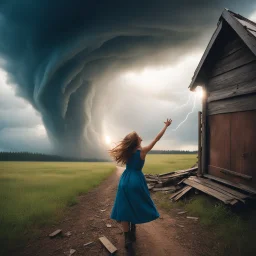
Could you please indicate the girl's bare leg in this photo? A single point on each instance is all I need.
(125, 225)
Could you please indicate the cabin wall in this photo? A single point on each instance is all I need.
(231, 114)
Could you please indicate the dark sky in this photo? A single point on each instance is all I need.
(73, 72)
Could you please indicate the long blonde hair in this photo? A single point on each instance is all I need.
(123, 151)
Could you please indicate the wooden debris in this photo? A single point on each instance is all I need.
(103, 210)
(167, 179)
(181, 212)
(108, 245)
(179, 172)
(226, 191)
(181, 226)
(150, 186)
(185, 190)
(55, 233)
(223, 189)
(71, 252)
(164, 188)
(88, 243)
(192, 218)
(212, 192)
(158, 185)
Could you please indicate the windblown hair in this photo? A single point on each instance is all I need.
(123, 151)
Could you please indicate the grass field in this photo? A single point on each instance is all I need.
(33, 194)
(167, 163)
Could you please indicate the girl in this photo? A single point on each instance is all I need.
(133, 204)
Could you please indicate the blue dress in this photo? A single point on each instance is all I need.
(133, 202)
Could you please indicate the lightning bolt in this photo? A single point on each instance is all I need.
(185, 104)
(192, 110)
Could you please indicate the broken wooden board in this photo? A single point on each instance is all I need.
(223, 189)
(158, 185)
(180, 171)
(108, 245)
(151, 180)
(164, 188)
(185, 190)
(212, 192)
(232, 184)
(55, 233)
(178, 192)
(150, 186)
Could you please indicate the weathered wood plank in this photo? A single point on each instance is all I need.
(176, 193)
(178, 172)
(212, 192)
(232, 184)
(232, 61)
(241, 75)
(210, 185)
(241, 103)
(151, 180)
(233, 91)
(232, 46)
(224, 188)
(55, 233)
(243, 34)
(150, 186)
(187, 188)
(108, 245)
(165, 188)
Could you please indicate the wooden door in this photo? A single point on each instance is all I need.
(243, 146)
(232, 146)
(219, 142)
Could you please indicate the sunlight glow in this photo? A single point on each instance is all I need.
(199, 92)
(108, 140)
(40, 130)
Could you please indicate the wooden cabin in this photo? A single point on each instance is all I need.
(227, 124)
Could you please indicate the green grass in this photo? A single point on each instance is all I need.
(156, 164)
(34, 194)
(232, 229)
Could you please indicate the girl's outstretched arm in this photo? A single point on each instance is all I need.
(146, 149)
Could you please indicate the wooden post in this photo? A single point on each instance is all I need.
(199, 171)
(204, 127)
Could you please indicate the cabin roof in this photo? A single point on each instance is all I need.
(244, 28)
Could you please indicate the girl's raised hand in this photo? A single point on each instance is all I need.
(168, 122)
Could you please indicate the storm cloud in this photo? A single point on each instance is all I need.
(70, 60)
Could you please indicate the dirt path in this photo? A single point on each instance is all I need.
(87, 223)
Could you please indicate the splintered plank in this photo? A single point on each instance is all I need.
(212, 192)
(164, 188)
(187, 188)
(178, 192)
(232, 184)
(108, 245)
(55, 233)
(221, 188)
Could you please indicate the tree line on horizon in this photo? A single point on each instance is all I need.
(172, 152)
(28, 156)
